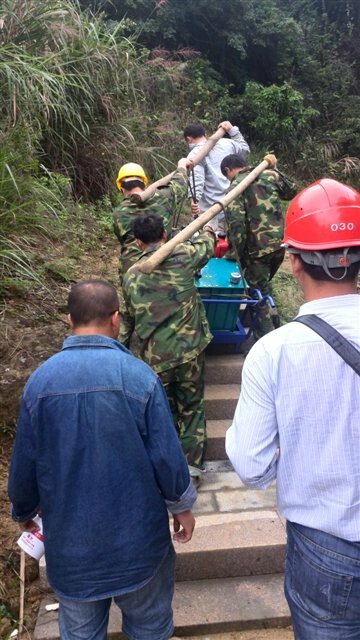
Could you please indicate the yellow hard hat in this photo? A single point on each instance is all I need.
(131, 170)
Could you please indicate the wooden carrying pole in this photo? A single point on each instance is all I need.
(144, 195)
(203, 151)
(166, 249)
(22, 594)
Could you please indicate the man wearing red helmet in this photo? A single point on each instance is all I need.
(298, 415)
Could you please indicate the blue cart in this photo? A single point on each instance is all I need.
(231, 307)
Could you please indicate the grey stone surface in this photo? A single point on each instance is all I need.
(231, 604)
(205, 503)
(216, 430)
(220, 481)
(238, 500)
(218, 465)
(43, 581)
(223, 369)
(257, 634)
(221, 401)
(222, 392)
(228, 547)
(206, 607)
(241, 516)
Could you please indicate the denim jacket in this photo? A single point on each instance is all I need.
(96, 449)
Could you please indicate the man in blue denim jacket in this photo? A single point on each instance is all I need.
(96, 450)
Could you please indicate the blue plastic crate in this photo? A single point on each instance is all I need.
(214, 284)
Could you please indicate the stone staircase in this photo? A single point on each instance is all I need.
(229, 576)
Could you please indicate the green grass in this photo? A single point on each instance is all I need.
(287, 295)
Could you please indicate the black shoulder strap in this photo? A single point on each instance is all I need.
(343, 347)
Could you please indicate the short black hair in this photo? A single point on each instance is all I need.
(92, 301)
(232, 161)
(194, 130)
(316, 272)
(148, 227)
(132, 184)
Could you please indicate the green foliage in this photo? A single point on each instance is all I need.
(211, 100)
(277, 114)
(31, 200)
(62, 269)
(82, 92)
(72, 109)
(103, 214)
(287, 295)
(237, 37)
(297, 60)
(67, 80)
(7, 430)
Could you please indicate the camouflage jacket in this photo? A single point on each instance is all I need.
(166, 201)
(255, 219)
(168, 314)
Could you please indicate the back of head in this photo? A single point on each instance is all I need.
(322, 225)
(92, 302)
(194, 131)
(232, 161)
(149, 228)
(131, 175)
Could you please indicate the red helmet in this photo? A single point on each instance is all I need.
(325, 215)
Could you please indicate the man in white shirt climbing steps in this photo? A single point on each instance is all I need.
(298, 416)
(207, 184)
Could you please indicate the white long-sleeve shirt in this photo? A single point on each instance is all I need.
(299, 395)
(210, 184)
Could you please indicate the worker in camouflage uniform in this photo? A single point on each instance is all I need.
(172, 329)
(255, 228)
(166, 201)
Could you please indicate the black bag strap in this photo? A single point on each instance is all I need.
(343, 347)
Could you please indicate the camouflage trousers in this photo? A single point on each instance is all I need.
(259, 273)
(184, 386)
(126, 322)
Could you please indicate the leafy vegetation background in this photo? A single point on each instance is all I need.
(86, 86)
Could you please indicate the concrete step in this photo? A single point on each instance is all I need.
(223, 369)
(221, 401)
(232, 604)
(285, 633)
(233, 544)
(221, 491)
(203, 607)
(216, 430)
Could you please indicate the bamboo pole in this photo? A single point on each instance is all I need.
(150, 190)
(202, 153)
(22, 593)
(147, 266)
